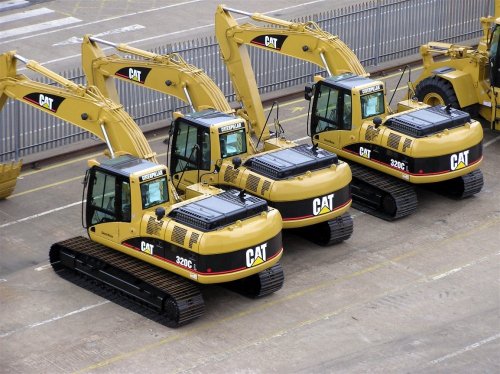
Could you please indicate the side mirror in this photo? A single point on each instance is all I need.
(377, 121)
(308, 91)
(160, 213)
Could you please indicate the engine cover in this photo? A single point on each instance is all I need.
(428, 121)
(289, 162)
(219, 210)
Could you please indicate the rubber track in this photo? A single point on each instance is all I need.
(185, 294)
(404, 194)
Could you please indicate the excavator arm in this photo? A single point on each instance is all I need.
(82, 106)
(305, 41)
(85, 107)
(169, 74)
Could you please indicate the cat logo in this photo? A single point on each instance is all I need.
(323, 205)
(45, 102)
(364, 152)
(147, 248)
(271, 42)
(256, 256)
(134, 75)
(459, 160)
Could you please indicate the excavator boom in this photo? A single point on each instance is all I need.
(169, 74)
(305, 41)
(82, 106)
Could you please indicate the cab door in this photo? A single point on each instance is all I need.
(191, 153)
(102, 214)
(330, 116)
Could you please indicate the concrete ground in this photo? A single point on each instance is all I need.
(418, 295)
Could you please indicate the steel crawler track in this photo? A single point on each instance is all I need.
(461, 187)
(261, 284)
(381, 195)
(178, 300)
(329, 232)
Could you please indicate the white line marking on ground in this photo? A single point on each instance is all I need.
(106, 20)
(12, 4)
(38, 215)
(466, 349)
(151, 38)
(453, 271)
(36, 324)
(78, 40)
(27, 14)
(491, 141)
(39, 27)
(43, 267)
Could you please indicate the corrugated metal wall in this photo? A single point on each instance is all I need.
(377, 31)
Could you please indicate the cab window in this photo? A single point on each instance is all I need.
(233, 143)
(125, 201)
(347, 112)
(185, 157)
(326, 109)
(372, 104)
(192, 148)
(154, 192)
(205, 150)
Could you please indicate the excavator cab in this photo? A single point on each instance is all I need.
(344, 102)
(200, 139)
(110, 185)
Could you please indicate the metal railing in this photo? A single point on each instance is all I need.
(378, 31)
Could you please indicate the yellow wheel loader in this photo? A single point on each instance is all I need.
(143, 240)
(388, 152)
(464, 77)
(309, 186)
(8, 177)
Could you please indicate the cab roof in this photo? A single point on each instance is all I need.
(348, 81)
(127, 165)
(209, 117)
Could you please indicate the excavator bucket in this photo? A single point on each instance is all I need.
(8, 178)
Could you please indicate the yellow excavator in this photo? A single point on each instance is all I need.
(309, 186)
(143, 239)
(464, 77)
(388, 153)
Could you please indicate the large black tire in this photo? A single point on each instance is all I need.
(436, 91)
